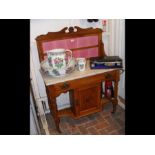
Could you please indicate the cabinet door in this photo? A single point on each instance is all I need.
(89, 99)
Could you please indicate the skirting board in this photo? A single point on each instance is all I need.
(122, 105)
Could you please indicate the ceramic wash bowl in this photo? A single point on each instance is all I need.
(46, 68)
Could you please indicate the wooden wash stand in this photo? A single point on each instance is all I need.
(85, 88)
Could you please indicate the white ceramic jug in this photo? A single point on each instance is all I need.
(59, 59)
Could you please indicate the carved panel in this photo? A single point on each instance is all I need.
(89, 99)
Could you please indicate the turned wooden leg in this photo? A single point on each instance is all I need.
(54, 112)
(53, 106)
(114, 103)
(57, 122)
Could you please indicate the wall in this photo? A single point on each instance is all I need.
(43, 26)
(117, 47)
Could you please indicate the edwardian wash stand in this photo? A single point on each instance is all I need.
(85, 88)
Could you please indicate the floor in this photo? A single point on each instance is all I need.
(101, 123)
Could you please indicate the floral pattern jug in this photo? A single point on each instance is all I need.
(59, 59)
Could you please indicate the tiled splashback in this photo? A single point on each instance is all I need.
(74, 44)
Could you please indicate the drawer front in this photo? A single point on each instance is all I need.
(78, 83)
(64, 86)
(74, 84)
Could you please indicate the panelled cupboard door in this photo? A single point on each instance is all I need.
(89, 99)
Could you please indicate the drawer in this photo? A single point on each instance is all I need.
(77, 83)
(64, 86)
(82, 82)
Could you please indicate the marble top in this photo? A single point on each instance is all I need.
(49, 80)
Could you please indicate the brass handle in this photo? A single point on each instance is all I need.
(65, 86)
